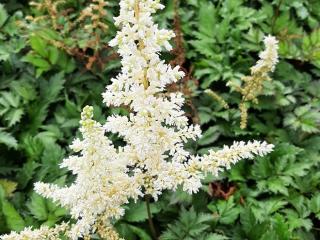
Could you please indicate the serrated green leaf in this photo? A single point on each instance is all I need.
(25, 89)
(142, 234)
(39, 45)
(226, 212)
(12, 218)
(271, 205)
(4, 53)
(10, 99)
(247, 219)
(215, 236)
(278, 185)
(51, 89)
(51, 221)
(315, 205)
(297, 169)
(137, 212)
(207, 19)
(3, 15)
(209, 136)
(52, 155)
(14, 116)
(8, 139)
(190, 225)
(37, 61)
(53, 55)
(295, 222)
(37, 207)
(26, 173)
(124, 230)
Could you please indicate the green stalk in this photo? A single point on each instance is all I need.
(151, 224)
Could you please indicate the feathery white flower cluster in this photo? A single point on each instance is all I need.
(102, 183)
(156, 129)
(253, 84)
(268, 58)
(38, 234)
(154, 158)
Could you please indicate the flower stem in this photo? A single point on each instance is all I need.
(151, 224)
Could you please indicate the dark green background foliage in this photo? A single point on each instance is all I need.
(43, 88)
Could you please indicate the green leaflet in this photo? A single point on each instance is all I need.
(13, 219)
(137, 212)
(7, 139)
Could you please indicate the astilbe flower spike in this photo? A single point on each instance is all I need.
(42, 233)
(154, 158)
(253, 84)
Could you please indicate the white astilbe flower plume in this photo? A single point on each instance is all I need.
(253, 84)
(102, 183)
(38, 234)
(157, 128)
(154, 158)
(268, 58)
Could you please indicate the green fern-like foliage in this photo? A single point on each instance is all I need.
(190, 225)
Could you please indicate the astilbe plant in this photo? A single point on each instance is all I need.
(253, 84)
(154, 158)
